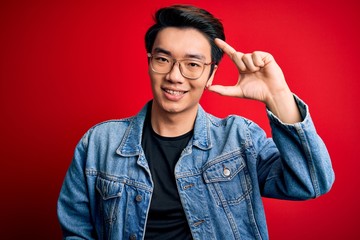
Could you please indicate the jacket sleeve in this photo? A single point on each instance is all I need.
(295, 164)
(73, 203)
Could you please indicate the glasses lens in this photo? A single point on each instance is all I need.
(192, 68)
(161, 64)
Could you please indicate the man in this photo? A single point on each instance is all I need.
(175, 172)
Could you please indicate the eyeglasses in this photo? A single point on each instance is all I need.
(189, 68)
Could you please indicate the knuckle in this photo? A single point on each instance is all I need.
(245, 57)
(236, 55)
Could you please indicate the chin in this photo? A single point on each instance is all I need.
(170, 108)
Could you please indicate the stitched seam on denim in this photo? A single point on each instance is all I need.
(232, 154)
(85, 138)
(214, 194)
(249, 142)
(309, 158)
(252, 219)
(213, 186)
(186, 151)
(124, 180)
(226, 179)
(215, 120)
(241, 198)
(125, 137)
(245, 182)
(187, 174)
(227, 212)
(129, 119)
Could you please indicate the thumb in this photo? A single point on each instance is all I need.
(226, 90)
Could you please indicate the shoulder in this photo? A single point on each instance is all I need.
(110, 130)
(113, 131)
(112, 124)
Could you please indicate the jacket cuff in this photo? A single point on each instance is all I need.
(304, 112)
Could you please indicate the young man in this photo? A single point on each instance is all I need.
(175, 172)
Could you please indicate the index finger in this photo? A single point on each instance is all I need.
(235, 56)
(229, 50)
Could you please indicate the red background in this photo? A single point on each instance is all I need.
(66, 66)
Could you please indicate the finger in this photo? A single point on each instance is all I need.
(249, 62)
(232, 53)
(229, 50)
(258, 59)
(226, 90)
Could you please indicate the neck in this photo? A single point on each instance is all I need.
(172, 124)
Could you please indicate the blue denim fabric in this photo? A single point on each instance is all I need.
(221, 176)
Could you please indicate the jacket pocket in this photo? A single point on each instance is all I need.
(109, 192)
(226, 178)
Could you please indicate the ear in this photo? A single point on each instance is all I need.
(211, 78)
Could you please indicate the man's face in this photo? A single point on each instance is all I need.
(173, 93)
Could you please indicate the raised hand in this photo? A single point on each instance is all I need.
(260, 78)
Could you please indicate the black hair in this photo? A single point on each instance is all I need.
(187, 16)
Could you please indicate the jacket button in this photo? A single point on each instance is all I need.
(138, 198)
(132, 237)
(227, 172)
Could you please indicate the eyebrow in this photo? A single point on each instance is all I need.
(188, 55)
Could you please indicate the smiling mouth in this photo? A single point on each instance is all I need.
(173, 92)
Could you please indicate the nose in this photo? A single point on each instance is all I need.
(175, 75)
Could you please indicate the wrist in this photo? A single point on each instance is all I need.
(283, 105)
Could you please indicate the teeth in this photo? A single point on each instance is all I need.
(172, 92)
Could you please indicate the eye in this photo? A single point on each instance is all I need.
(161, 59)
(193, 64)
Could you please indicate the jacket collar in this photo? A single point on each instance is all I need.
(202, 137)
(131, 142)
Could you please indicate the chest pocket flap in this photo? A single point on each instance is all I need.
(224, 168)
(225, 177)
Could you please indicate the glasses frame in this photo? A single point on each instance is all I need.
(174, 61)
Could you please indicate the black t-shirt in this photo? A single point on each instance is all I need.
(166, 219)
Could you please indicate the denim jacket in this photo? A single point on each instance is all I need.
(228, 165)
